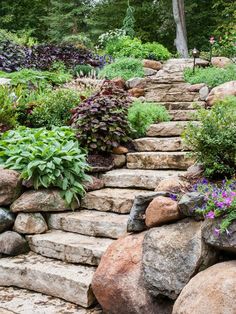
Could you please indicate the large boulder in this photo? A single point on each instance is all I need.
(11, 243)
(161, 210)
(212, 291)
(223, 241)
(30, 223)
(136, 222)
(152, 64)
(172, 255)
(6, 219)
(173, 184)
(40, 201)
(118, 284)
(220, 62)
(221, 91)
(10, 186)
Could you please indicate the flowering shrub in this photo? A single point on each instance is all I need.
(109, 36)
(220, 201)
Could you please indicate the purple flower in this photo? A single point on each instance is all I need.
(228, 201)
(204, 181)
(173, 197)
(216, 232)
(214, 194)
(210, 215)
(220, 204)
(224, 194)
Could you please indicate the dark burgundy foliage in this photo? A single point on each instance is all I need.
(14, 57)
(101, 121)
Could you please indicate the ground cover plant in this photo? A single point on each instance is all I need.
(220, 203)
(125, 68)
(49, 158)
(211, 76)
(142, 115)
(213, 141)
(128, 47)
(101, 121)
(34, 78)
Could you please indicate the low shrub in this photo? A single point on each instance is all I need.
(85, 70)
(50, 158)
(127, 47)
(142, 115)
(220, 203)
(52, 108)
(211, 76)
(125, 68)
(213, 141)
(8, 116)
(101, 121)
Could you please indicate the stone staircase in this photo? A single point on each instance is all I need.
(64, 259)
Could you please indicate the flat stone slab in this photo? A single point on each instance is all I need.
(183, 105)
(159, 160)
(69, 247)
(153, 144)
(183, 115)
(144, 179)
(114, 200)
(172, 128)
(51, 277)
(160, 92)
(21, 301)
(91, 223)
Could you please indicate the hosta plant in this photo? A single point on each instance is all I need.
(220, 202)
(101, 121)
(49, 158)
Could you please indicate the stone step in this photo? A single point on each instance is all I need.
(183, 105)
(90, 222)
(143, 179)
(159, 160)
(166, 129)
(69, 247)
(14, 300)
(157, 92)
(157, 144)
(51, 277)
(183, 115)
(113, 200)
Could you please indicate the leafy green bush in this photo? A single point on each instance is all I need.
(85, 70)
(28, 77)
(48, 158)
(127, 47)
(125, 68)
(101, 121)
(53, 108)
(8, 117)
(211, 76)
(142, 115)
(214, 141)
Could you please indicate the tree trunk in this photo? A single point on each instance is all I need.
(181, 33)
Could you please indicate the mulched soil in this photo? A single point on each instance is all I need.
(100, 161)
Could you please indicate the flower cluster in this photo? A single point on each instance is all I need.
(220, 201)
